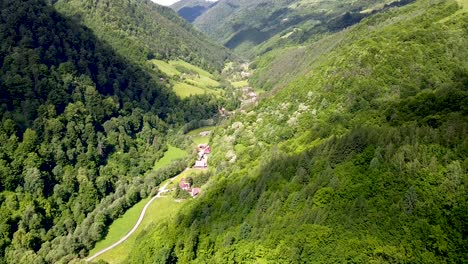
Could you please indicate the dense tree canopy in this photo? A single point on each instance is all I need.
(141, 30)
(81, 128)
(363, 159)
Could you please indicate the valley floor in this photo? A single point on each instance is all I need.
(122, 235)
(138, 223)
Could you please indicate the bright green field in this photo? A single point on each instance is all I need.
(240, 84)
(197, 139)
(161, 208)
(166, 67)
(184, 90)
(120, 227)
(202, 83)
(191, 67)
(170, 155)
(464, 4)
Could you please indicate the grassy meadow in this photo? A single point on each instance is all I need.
(161, 209)
(188, 79)
(170, 155)
(197, 139)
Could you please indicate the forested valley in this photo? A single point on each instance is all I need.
(337, 130)
(81, 129)
(361, 157)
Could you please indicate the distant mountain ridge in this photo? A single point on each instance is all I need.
(246, 25)
(192, 9)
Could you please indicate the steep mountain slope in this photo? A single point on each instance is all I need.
(191, 9)
(363, 159)
(81, 128)
(141, 30)
(243, 25)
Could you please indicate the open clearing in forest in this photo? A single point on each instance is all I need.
(240, 84)
(162, 208)
(195, 135)
(170, 155)
(188, 79)
(120, 227)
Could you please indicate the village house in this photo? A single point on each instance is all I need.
(184, 185)
(201, 164)
(195, 192)
(205, 133)
(203, 152)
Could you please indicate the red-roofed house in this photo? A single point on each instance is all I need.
(184, 185)
(207, 150)
(195, 192)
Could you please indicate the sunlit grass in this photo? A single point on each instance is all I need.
(162, 208)
(170, 155)
(191, 84)
(240, 84)
(166, 68)
(120, 227)
(184, 90)
(195, 135)
(191, 67)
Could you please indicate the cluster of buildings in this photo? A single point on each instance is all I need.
(203, 152)
(201, 163)
(186, 186)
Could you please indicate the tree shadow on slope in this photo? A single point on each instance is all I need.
(47, 59)
(374, 193)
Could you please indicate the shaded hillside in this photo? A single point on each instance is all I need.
(363, 159)
(51, 61)
(191, 9)
(81, 128)
(244, 25)
(141, 30)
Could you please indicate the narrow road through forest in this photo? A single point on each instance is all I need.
(140, 219)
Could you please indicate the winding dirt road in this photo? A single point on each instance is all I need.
(135, 227)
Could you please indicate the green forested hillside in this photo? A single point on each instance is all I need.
(141, 30)
(81, 128)
(362, 159)
(253, 27)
